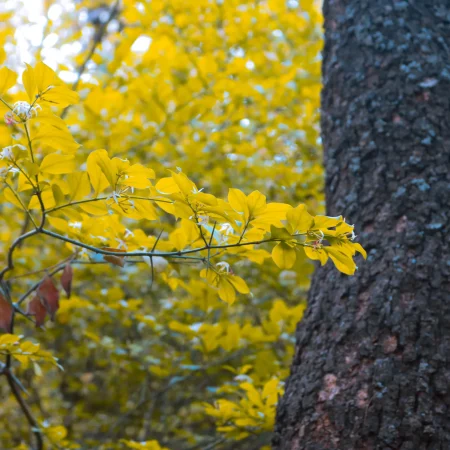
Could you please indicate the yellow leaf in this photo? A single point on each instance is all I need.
(44, 76)
(181, 210)
(226, 290)
(56, 434)
(145, 209)
(187, 187)
(61, 96)
(167, 207)
(343, 262)
(47, 199)
(316, 254)
(48, 118)
(273, 214)
(238, 202)
(206, 199)
(167, 186)
(270, 392)
(11, 198)
(256, 203)
(239, 284)
(101, 158)
(57, 164)
(139, 170)
(95, 208)
(299, 219)
(7, 79)
(344, 228)
(96, 175)
(326, 222)
(56, 138)
(137, 176)
(58, 224)
(138, 182)
(78, 186)
(358, 247)
(31, 168)
(57, 195)
(252, 394)
(8, 339)
(280, 233)
(28, 80)
(284, 255)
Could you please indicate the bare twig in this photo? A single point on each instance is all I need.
(26, 410)
(98, 38)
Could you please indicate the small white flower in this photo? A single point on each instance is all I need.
(7, 152)
(226, 228)
(76, 225)
(10, 169)
(115, 196)
(25, 111)
(122, 244)
(101, 238)
(223, 266)
(196, 191)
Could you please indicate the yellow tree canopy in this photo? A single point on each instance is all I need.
(160, 205)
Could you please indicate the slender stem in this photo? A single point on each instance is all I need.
(21, 203)
(36, 272)
(60, 267)
(245, 229)
(98, 37)
(145, 253)
(210, 242)
(24, 174)
(160, 200)
(6, 104)
(30, 146)
(26, 411)
(10, 262)
(89, 200)
(63, 264)
(37, 189)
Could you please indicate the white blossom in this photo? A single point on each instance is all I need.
(25, 111)
(223, 266)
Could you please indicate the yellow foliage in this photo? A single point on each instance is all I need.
(151, 177)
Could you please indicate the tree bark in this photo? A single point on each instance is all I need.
(372, 363)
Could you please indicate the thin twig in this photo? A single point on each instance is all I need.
(98, 38)
(26, 411)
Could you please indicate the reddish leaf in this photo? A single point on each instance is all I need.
(49, 296)
(116, 260)
(6, 314)
(38, 310)
(111, 249)
(66, 279)
(113, 259)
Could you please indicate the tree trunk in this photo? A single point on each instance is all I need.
(372, 363)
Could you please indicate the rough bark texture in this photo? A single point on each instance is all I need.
(372, 363)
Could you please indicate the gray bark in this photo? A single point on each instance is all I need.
(372, 363)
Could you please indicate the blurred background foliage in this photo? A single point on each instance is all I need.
(228, 91)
